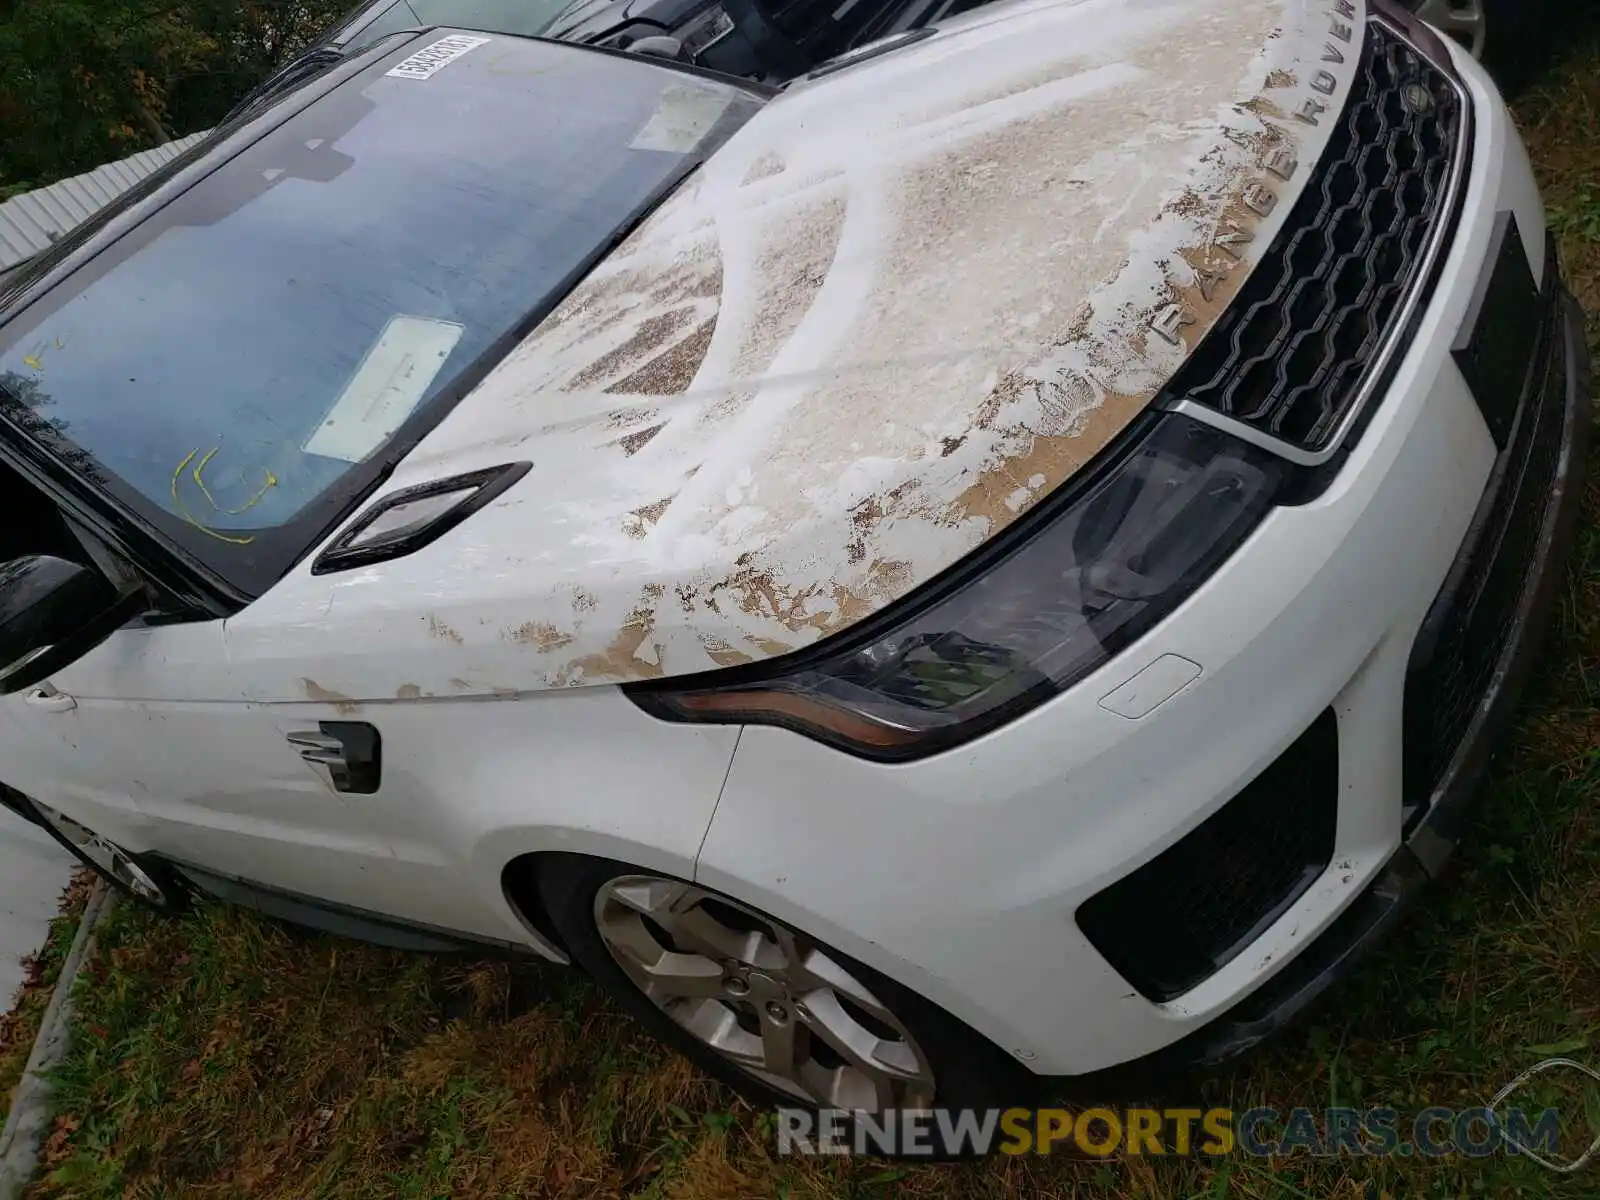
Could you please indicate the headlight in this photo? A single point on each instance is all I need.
(1023, 618)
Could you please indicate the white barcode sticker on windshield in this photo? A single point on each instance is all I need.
(386, 388)
(428, 61)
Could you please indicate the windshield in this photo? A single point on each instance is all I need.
(256, 341)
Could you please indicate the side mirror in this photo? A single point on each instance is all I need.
(52, 613)
(660, 46)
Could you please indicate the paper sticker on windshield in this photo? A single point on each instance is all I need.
(428, 61)
(386, 387)
(682, 118)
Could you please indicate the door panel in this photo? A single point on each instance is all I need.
(159, 745)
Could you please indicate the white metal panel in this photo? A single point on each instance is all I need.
(33, 872)
(31, 221)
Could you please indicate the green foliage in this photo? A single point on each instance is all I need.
(86, 81)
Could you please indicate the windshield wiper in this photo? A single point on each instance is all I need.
(309, 65)
(292, 74)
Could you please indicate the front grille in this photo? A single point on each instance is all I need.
(1190, 910)
(1288, 357)
(1464, 637)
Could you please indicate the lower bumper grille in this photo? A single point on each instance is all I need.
(1190, 910)
(1463, 639)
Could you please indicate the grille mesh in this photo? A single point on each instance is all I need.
(1184, 914)
(1288, 356)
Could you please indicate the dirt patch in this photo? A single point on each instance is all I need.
(321, 695)
(673, 370)
(641, 520)
(440, 630)
(638, 325)
(649, 339)
(725, 655)
(631, 654)
(541, 634)
(791, 271)
(637, 441)
(628, 418)
(765, 167)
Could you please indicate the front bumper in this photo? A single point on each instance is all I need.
(962, 876)
(1565, 396)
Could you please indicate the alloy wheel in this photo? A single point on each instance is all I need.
(107, 855)
(1461, 19)
(764, 997)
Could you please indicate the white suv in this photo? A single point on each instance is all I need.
(1000, 561)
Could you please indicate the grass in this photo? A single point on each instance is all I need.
(20, 1026)
(226, 1056)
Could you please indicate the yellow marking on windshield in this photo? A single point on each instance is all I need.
(35, 361)
(182, 510)
(272, 482)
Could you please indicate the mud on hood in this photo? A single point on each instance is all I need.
(901, 305)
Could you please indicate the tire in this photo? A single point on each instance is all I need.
(940, 1061)
(153, 884)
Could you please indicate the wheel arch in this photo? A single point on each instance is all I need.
(520, 876)
(519, 884)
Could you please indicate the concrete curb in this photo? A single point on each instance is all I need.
(31, 1108)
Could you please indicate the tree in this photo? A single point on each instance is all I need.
(86, 81)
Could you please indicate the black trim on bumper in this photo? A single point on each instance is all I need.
(328, 917)
(18, 803)
(1208, 896)
(1276, 1003)
(1459, 651)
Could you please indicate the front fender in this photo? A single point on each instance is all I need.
(479, 783)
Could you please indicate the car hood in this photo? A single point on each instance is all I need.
(900, 306)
